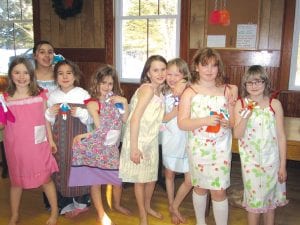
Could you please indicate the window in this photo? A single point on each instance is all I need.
(16, 30)
(144, 28)
(294, 83)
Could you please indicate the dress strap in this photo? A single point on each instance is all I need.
(93, 100)
(226, 86)
(242, 102)
(193, 89)
(270, 104)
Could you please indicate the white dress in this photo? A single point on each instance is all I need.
(174, 140)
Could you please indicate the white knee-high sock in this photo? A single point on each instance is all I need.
(220, 210)
(199, 202)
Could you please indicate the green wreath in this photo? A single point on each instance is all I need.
(64, 11)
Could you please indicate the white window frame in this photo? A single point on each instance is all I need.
(296, 40)
(118, 37)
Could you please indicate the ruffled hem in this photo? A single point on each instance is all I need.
(265, 209)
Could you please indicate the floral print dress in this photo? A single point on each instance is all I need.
(209, 153)
(260, 163)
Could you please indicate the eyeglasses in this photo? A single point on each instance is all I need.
(257, 83)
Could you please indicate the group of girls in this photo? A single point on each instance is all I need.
(198, 111)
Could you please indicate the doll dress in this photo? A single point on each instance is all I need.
(95, 159)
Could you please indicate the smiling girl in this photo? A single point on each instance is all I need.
(28, 140)
(69, 117)
(139, 154)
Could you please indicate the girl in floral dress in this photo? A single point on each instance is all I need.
(262, 146)
(95, 158)
(205, 110)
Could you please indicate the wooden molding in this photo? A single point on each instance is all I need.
(287, 43)
(185, 29)
(109, 31)
(83, 54)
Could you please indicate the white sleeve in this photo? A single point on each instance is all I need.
(83, 115)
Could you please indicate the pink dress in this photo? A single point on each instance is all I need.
(29, 158)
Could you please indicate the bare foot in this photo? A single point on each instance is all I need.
(123, 210)
(181, 218)
(52, 220)
(155, 214)
(105, 220)
(13, 220)
(175, 219)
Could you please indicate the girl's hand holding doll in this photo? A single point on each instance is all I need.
(79, 137)
(118, 99)
(213, 120)
(54, 110)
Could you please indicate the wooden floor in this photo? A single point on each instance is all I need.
(33, 213)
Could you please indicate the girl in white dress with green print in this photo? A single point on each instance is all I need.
(262, 145)
(206, 111)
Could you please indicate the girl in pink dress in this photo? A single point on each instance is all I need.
(28, 141)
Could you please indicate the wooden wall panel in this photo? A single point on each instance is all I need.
(276, 24)
(85, 30)
(263, 29)
(197, 24)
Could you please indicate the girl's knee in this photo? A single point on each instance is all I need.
(218, 195)
(169, 174)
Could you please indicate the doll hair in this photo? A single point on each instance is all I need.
(33, 88)
(144, 76)
(256, 71)
(205, 56)
(75, 69)
(98, 77)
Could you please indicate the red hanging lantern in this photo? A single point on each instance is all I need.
(214, 17)
(224, 15)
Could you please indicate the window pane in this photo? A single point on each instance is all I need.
(162, 37)
(149, 7)
(134, 48)
(168, 7)
(297, 79)
(14, 10)
(3, 10)
(131, 8)
(23, 35)
(26, 10)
